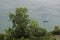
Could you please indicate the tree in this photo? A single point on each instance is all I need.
(56, 30)
(20, 17)
(20, 22)
(7, 35)
(24, 28)
(35, 29)
(1, 36)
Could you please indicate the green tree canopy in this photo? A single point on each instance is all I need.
(24, 28)
(56, 30)
(1, 36)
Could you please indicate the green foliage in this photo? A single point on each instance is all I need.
(56, 30)
(1, 36)
(20, 23)
(8, 34)
(24, 28)
(20, 18)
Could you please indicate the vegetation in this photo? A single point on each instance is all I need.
(24, 28)
(56, 30)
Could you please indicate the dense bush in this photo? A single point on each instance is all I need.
(1, 36)
(56, 30)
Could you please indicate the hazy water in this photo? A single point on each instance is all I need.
(38, 10)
